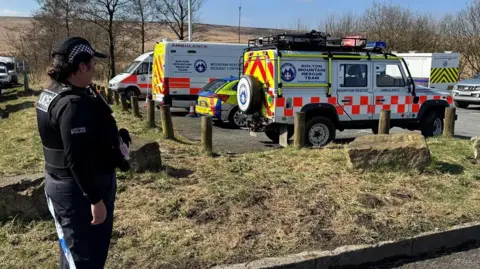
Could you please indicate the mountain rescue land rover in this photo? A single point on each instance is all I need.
(338, 83)
(181, 69)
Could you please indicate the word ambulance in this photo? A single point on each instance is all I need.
(338, 83)
(181, 69)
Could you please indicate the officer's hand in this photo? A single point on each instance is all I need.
(99, 213)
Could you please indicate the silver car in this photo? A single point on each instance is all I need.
(467, 92)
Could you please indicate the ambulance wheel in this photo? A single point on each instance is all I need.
(319, 131)
(461, 104)
(249, 94)
(131, 91)
(432, 124)
(274, 134)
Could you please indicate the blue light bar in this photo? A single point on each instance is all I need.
(376, 45)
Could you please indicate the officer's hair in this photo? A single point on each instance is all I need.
(62, 69)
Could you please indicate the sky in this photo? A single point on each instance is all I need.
(273, 13)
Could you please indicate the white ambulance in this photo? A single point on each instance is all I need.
(433, 70)
(136, 78)
(181, 69)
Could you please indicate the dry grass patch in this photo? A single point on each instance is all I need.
(203, 211)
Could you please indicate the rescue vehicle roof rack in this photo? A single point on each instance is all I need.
(312, 41)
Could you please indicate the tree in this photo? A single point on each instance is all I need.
(103, 13)
(64, 11)
(142, 15)
(174, 13)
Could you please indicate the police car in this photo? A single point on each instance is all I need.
(339, 83)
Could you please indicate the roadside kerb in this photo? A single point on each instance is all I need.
(361, 255)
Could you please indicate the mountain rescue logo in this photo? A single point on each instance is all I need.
(289, 72)
(200, 66)
(445, 63)
(243, 94)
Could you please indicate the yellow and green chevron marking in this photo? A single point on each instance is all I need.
(443, 75)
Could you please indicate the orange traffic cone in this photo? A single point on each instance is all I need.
(191, 113)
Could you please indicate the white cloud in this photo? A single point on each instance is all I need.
(13, 13)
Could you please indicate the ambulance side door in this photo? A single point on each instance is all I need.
(390, 90)
(354, 90)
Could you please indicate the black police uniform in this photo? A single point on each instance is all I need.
(81, 149)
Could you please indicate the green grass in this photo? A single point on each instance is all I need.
(203, 211)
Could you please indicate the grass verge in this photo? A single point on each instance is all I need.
(203, 211)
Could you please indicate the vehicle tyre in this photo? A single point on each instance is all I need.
(274, 134)
(129, 92)
(237, 118)
(319, 131)
(461, 104)
(375, 130)
(249, 94)
(432, 124)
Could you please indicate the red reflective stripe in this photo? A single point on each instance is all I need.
(144, 86)
(386, 107)
(332, 100)
(211, 79)
(394, 100)
(401, 109)
(449, 99)
(415, 108)
(437, 97)
(297, 101)
(408, 100)
(315, 100)
(130, 79)
(364, 100)
(180, 80)
(288, 112)
(355, 109)
(339, 110)
(194, 91)
(423, 99)
(349, 98)
(377, 100)
(280, 102)
(371, 109)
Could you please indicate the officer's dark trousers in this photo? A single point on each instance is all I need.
(82, 245)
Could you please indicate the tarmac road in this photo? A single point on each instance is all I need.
(236, 141)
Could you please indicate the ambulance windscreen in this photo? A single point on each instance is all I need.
(130, 68)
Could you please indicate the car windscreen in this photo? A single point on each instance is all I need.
(130, 68)
(11, 66)
(214, 85)
(3, 70)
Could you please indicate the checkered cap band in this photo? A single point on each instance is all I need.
(79, 49)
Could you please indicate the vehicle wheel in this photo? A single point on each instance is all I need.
(130, 92)
(432, 124)
(274, 134)
(319, 131)
(461, 104)
(237, 118)
(375, 130)
(249, 94)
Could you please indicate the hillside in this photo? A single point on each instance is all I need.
(207, 32)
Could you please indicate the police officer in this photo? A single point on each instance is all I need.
(81, 146)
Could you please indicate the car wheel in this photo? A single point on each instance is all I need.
(319, 131)
(237, 118)
(461, 104)
(432, 125)
(274, 134)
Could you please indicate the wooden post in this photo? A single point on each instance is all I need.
(109, 97)
(123, 99)
(25, 81)
(449, 122)
(384, 122)
(116, 96)
(299, 133)
(136, 110)
(207, 134)
(283, 135)
(150, 113)
(167, 125)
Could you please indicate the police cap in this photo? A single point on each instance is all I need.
(72, 46)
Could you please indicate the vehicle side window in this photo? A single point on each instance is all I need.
(353, 75)
(144, 68)
(389, 75)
